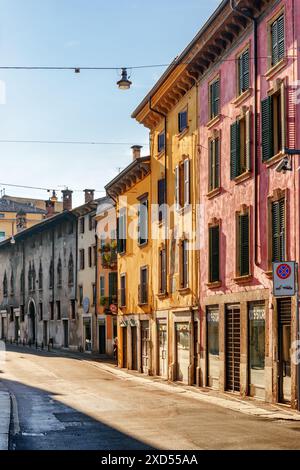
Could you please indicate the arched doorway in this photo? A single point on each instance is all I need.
(31, 322)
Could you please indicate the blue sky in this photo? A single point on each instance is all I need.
(59, 105)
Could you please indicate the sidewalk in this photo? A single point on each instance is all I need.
(248, 406)
(5, 411)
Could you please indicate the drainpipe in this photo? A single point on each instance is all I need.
(166, 184)
(255, 137)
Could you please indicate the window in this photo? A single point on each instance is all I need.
(12, 284)
(5, 288)
(214, 164)
(182, 184)
(22, 282)
(214, 254)
(90, 257)
(11, 314)
(182, 121)
(22, 313)
(244, 72)
(51, 305)
(278, 231)
(73, 309)
(277, 40)
(113, 288)
(161, 199)
(2, 236)
(184, 268)
(70, 228)
(243, 247)
(122, 231)
(41, 311)
(94, 294)
(71, 271)
(58, 310)
(143, 222)
(91, 222)
(123, 290)
(80, 292)
(59, 273)
(102, 286)
(240, 146)
(31, 277)
(95, 255)
(273, 124)
(162, 271)
(41, 277)
(82, 225)
(81, 259)
(214, 98)
(51, 275)
(143, 288)
(161, 142)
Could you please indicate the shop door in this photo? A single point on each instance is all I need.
(124, 347)
(233, 348)
(66, 333)
(45, 333)
(257, 340)
(183, 351)
(134, 348)
(284, 349)
(17, 329)
(163, 350)
(2, 328)
(87, 336)
(145, 346)
(213, 362)
(196, 350)
(102, 339)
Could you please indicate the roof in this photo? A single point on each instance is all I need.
(139, 168)
(38, 203)
(6, 205)
(89, 207)
(40, 227)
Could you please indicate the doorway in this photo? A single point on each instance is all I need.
(284, 349)
(102, 338)
(257, 341)
(233, 348)
(17, 329)
(124, 344)
(183, 352)
(32, 317)
(145, 331)
(45, 333)
(87, 335)
(66, 333)
(213, 348)
(134, 348)
(163, 350)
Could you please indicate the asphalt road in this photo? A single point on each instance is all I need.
(62, 403)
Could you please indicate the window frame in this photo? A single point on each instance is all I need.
(161, 142)
(211, 100)
(123, 289)
(183, 127)
(240, 243)
(211, 279)
(143, 202)
(214, 177)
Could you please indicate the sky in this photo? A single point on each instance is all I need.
(64, 106)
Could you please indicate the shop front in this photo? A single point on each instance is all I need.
(87, 335)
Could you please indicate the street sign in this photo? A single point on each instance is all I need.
(86, 305)
(113, 308)
(284, 279)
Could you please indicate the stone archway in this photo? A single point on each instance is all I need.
(32, 322)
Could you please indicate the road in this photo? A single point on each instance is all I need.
(67, 403)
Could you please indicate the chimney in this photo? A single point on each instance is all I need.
(89, 195)
(136, 151)
(67, 199)
(50, 208)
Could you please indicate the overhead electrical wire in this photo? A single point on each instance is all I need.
(20, 186)
(66, 142)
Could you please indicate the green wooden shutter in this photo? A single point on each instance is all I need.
(267, 128)
(241, 75)
(217, 163)
(280, 37)
(244, 244)
(217, 97)
(113, 285)
(248, 140)
(278, 234)
(214, 253)
(282, 228)
(246, 70)
(235, 150)
(274, 35)
(211, 165)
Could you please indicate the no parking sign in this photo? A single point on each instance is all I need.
(284, 279)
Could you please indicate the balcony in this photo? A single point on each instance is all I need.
(106, 302)
(109, 256)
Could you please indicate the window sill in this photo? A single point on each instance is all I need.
(276, 68)
(183, 133)
(184, 291)
(143, 305)
(243, 177)
(241, 98)
(214, 285)
(243, 279)
(213, 121)
(213, 193)
(143, 245)
(160, 154)
(183, 210)
(162, 295)
(274, 159)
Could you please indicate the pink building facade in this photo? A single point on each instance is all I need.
(249, 211)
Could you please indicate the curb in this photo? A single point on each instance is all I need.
(5, 417)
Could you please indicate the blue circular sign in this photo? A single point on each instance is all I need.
(86, 305)
(284, 271)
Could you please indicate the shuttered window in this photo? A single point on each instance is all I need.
(240, 146)
(214, 164)
(244, 245)
(163, 275)
(122, 301)
(214, 98)
(161, 142)
(143, 222)
(244, 72)
(184, 264)
(143, 287)
(278, 231)
(122, 231)
(277, 40)
(182, 121)
(113, 287)
(214, 254)
(182, 184)
(273, 124)
(161, 198)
